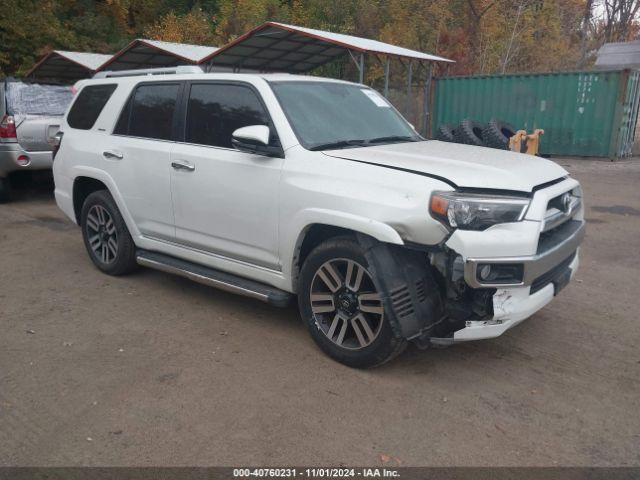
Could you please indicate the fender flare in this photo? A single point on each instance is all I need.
(105, 178)
(297, 229)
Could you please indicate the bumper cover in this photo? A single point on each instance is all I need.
(9, 153)
(511, 306)
(534, 265)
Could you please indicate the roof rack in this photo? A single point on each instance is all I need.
(182, 69)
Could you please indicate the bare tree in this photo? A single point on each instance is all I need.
(619, 19)
(477, 10)
(584, 32)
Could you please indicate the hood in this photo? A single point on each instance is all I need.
(463, 165)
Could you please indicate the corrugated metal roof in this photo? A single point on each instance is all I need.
(61, 65)
(365, 44)
(616, 56)
(89, 60)
(144, 53)
(282, 47)
(194, 53)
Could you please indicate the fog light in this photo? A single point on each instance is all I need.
(507, 273)
(485, 271)
(23, 160)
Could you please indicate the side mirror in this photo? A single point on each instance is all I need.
(254, 139)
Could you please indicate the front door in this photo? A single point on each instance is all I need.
(225, 202)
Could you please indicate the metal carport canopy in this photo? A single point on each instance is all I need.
(66, 66)
(143, 53)
(279, 47)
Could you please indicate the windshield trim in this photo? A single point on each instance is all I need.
(310, 147)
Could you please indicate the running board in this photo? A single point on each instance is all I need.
(213, 278)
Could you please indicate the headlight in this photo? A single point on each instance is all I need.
(468, 211)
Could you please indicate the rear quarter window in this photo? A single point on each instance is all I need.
(88, 106)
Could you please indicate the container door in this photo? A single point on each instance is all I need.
(629, 118)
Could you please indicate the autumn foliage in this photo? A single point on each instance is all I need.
(483, 36)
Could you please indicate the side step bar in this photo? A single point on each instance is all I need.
(213, 278)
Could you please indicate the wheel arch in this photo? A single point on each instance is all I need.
(82, 188)
(326, 225)
(87, 180)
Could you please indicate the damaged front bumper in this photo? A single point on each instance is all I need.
(510, 307)
(497, 278)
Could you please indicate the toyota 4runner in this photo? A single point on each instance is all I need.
(277, 186)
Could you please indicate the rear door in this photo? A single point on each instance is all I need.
(139, 156)
(37, 111)
(225, 201)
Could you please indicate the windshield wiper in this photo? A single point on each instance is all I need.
(394, 138)
(338, 144)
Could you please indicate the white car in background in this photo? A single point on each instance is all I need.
(276, 186)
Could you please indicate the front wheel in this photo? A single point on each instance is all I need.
(342, 306)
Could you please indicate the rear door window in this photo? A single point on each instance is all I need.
(87, 107)
(215, 111)
(150, 112)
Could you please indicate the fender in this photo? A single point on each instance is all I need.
(293, 232)
(101, 175)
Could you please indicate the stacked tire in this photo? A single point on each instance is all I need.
(469, 132)
(495, 134)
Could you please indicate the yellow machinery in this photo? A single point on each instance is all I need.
(526, 143)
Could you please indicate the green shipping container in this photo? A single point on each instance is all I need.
(592, 114)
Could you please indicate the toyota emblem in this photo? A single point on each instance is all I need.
(566, 202)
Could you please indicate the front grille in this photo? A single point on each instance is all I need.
(551, 238)
(548, 277)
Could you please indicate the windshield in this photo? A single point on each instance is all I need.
(327, 115)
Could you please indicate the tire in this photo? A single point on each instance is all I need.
(446, 133)
(100, 217)
(5, 190)
(469, 132)
(496, 134)
(348, 324)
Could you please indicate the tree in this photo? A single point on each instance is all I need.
(194, 27)
(28, 28)
(620, 20)
(236, 17)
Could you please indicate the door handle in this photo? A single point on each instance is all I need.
(112, 155)
(183, 166)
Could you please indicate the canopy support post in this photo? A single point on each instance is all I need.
(359, 65)
(386, 77)
(409, 80)
(427, 101)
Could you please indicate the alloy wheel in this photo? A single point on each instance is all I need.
(345, 304)
(102, 234)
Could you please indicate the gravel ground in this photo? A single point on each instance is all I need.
(151, 369)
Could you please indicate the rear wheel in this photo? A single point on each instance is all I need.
(106, 236)
(342, 306)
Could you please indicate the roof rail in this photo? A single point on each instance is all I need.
(182, 69)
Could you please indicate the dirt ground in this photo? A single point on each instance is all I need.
(151, 369)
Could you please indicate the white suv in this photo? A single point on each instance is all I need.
(275, 186)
